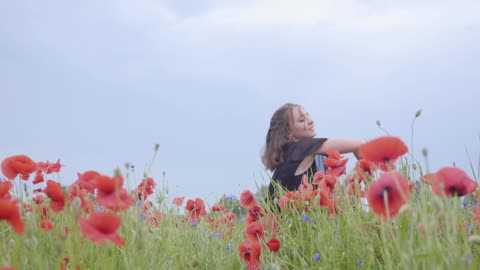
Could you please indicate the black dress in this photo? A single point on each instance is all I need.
(295, 153)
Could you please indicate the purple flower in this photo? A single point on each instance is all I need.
(193, 224)
(359, 263)
(316, 257)
(229, 247)
(219, 234)
(306, 218)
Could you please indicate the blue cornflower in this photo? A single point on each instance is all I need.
(132, 166)
(193, 223)
(359, 263)
(142, 216)
(468, 227)
(306, 218)
(231, 197)
(100, 208)
(229, 247)
(139, 203)
(219, 234)
(316, 257)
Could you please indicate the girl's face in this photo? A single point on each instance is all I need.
(302, 126)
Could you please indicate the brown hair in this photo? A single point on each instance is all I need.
(278, 136)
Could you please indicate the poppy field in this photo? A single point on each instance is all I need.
(388, 212)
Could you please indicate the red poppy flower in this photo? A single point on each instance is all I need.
(101, 227)
(110, 193)
(250, 251)
(87, 180)
(247, 199)
(20, 164)
(116, 201)
(38, 198)
(451, 182)
(383, 151)
(318, 177)
(219, 208)
(195, 209)
(254, 231)
(48, 167)
(39, 178)
(10, 212)
(254, 214)
(46, 225)
(273, 244)
(145, 188)
(55, 193)
(5, 190)
(178, 201)
(335, 163)
(388, 194)
(289, 200)
(328, 184)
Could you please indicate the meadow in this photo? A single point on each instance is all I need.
(389, 212)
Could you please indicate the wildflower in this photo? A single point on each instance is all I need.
(335, 163)
(46, 225)
(305, 218)
(228, 247)
(48, 167)
(111, 194)
(19, 164)
(247, 199)
(101, 227)
(145, 188)
(219, 234)
(231, 197)
(254, 214)
(359, 263)
(273, 244)
(254, 231)
(55, 193)
(195, 209)
(383, 151)
(193, 224)
(87, 180)
(316, 257)
(178, 201)
(250, 252)
(450, 181)
(10, 212)
(39, 178)
(5, 188)
(395, 187)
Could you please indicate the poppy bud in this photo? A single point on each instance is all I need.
(418, 113)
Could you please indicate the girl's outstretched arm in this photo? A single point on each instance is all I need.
(341, 145)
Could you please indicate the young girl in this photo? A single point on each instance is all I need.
(291, 147)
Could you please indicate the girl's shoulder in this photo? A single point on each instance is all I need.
(300, 149)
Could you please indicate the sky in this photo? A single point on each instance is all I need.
(97, 84)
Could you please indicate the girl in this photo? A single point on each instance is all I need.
(291, 147)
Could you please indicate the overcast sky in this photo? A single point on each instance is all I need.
(99, 83)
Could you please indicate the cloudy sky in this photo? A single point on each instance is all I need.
(99, 83)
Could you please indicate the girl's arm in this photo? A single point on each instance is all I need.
(341, 145)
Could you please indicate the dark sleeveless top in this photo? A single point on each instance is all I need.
(295, 153)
